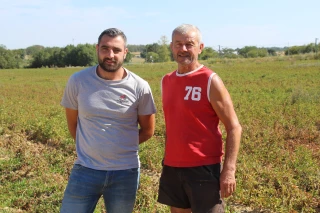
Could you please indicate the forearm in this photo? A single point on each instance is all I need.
(73, 131)
(232, 148)
(227, 176)
(144, 135)
(146, 123)
(72, 121)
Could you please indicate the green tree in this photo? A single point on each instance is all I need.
(54, 58)
(128, 57)
(69, 53)
(294, 50)
(271, 52)
(152, 57)
(308, 48)
(245, 51)
(57, 58)
(163, 50)
(228, 53)
(150, 48)
(40, 59)
(252, 53)
(136, 48)
(7, 59)
(208, 52)
(19, 53)
(262, 52)
(85, 55)
(34, 49)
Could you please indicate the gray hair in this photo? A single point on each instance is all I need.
(185, 28)
(113, 32)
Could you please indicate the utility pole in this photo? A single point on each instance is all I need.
(315, 45)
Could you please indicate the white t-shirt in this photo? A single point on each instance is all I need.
(107, 136)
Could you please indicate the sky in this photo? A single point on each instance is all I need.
(223, 23)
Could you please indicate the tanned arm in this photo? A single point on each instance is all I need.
(147, 125)
(72, 120)
(222, 104)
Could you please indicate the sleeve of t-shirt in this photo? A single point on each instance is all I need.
(146, 103)
(69, 99)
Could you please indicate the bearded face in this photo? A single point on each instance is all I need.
(109, 64)
(111, 53)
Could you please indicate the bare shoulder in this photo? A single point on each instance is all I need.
(217, 86)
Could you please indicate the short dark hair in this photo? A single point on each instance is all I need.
(113, 32)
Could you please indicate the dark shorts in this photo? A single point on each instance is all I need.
(197, 188)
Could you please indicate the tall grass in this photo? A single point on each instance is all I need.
(277, 102)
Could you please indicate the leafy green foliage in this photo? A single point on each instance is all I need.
(136, 48)
(37, 56)
(150, 48)
(207, 53)
(9, 59)
(252, 52)
(295, 50)
(32, 50)
(81, 55)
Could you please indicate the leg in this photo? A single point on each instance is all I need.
(120, 191)
(83, 190)
(171, 191)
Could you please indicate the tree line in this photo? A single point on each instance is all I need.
(37, 56)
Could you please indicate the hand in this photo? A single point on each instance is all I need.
(227, 183)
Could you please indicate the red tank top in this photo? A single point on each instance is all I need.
(193, 137)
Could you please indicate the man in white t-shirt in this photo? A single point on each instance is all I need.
(104, 105)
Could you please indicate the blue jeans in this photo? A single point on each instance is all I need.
(86, 186)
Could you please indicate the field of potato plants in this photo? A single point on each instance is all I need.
(277, 100)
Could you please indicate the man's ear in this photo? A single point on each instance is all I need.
(125, 53)
(97, 48)
(201, 47)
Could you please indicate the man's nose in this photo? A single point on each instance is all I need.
(184, 47)
(110, 54)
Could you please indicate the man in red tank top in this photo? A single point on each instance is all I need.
(194, 100)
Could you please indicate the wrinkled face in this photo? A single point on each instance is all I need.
(186, 48)
(111, 53)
